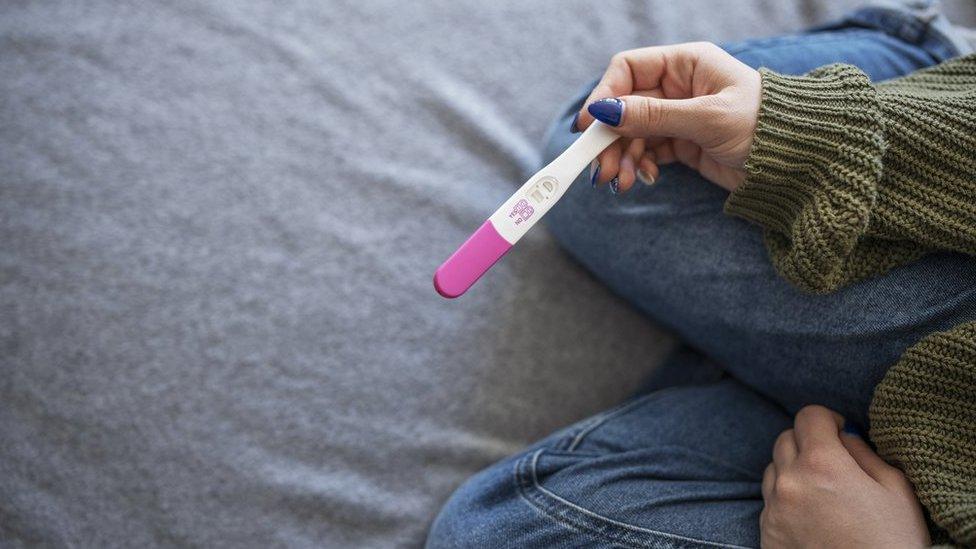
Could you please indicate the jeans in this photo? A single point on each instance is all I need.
(682, 466)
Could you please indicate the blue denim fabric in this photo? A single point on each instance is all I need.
(682, 466)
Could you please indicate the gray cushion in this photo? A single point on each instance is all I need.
(219, 222)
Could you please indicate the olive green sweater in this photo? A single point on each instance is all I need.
(850, 179)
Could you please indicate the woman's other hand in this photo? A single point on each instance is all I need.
(826, 488)
(692, 103)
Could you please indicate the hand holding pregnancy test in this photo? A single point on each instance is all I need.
(519, 213)
(690, 103)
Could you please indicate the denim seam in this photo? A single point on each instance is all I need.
(603, 418)
(746, 475)
(574, 438)
(577, 518)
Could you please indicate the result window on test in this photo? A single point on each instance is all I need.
(543, 190)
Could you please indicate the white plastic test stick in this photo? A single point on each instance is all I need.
(519, 213)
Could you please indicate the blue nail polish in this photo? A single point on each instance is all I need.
(609, 111)
(573, 128)
(615, 185)
(852, 429)
(596, 175)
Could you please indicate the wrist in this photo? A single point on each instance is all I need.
(808, 125)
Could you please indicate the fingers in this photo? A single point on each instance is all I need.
(817, 428)
(694, 119)
(785, 450)
(628, 165)
(871, 463)
(647, 169)
(621, 165)
(609, 161)
(617, 80)
(620, 78)
(663, 151)
(660, 67)
(695, 95)
(768, 481)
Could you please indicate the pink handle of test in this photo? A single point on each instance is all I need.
(478, 253)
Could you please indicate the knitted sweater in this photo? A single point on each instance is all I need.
(850, 179)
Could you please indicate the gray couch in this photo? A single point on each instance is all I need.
(219, 222)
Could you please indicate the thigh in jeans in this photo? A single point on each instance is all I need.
(680, 467)
(671, 251)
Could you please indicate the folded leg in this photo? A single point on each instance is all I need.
(680, 467)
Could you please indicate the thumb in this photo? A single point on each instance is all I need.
(641, 116)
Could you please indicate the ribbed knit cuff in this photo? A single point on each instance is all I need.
(923, 419)
(813, 170)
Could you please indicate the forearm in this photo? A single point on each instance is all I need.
(923, 419)
(928, 192)
(850, 179)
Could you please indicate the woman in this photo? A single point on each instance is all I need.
(863, 191)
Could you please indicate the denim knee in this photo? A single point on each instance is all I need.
(673, 468)
(487, 511)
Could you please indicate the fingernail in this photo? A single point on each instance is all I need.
(615, 185)
(573, 128)
(647, 178)
(594, 174)
(853, 430)
(609, 111)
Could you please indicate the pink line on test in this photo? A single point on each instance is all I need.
(470, 261)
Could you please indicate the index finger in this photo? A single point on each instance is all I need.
(628, 71)
(643, 69)
(816, 426)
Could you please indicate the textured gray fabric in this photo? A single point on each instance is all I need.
(219, 222)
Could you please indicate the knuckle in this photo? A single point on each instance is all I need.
(647, 116)
(816, 414)
(819, 462)
(705, 47)
(788, 489)
(812, 411)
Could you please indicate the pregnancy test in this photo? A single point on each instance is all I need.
(519, 213)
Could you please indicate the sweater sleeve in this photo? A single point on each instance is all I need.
(850, 179)
(923, 419)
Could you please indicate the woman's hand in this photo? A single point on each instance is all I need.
(692, 103)
(827, 489)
